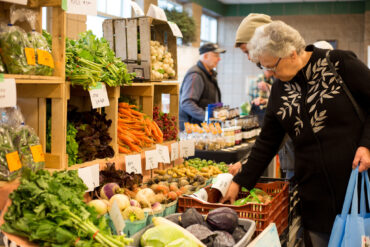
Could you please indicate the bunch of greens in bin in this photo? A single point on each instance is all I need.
(255, 196)
(90, 60)
(72, 145)
(49, 211)
(200, 163)
(47, 37)
(13, 43)
(39, 42)
(6, 147)
(92, 134)
(2, 67)
(24, 138)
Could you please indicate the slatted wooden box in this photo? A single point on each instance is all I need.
(130, 39)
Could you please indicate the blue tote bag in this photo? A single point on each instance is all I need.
(364, 214)
(349, 228)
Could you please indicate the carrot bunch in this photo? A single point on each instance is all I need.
(136, 130)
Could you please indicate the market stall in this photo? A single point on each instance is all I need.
(92, 154)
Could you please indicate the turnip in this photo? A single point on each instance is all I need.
(99, 205)
(122, 200)
(108, 190)
(145, 197)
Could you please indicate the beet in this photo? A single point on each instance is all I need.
(223, 239)
(191, 217)
(223, 219)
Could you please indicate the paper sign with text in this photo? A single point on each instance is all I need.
(133, 163)
(14, 163)
(269, 237)
(8, 93)
(116, 216)
(82, 7)
(163, 154)
(37, 153)
(187, 148)
(137, 10)
(151, 159)
(175, 29)
(156, 13)
(174, 151)
(90, 176)
(99, 96)
(23, 2)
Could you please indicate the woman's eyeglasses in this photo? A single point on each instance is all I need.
(272, 69)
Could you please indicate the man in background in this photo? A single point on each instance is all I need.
(199, 87)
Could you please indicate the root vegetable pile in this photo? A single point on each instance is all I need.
(136, 130)
(166, 123)
(162, 62)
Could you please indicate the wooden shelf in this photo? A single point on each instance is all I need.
(35, 79)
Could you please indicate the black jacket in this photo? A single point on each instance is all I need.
(198, 89)
(326, 131)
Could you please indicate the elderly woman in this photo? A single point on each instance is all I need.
(309, 104)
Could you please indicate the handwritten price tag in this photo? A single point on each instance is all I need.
(14, 163)
(82, 7)
(8, 93)
(116, 216)
(30, 56)
(37, 153)
(151, 159)
(99, 96)
(187, 148)
(90, 176)
(163, 154)
(174, 151)
(45, 58)
(133, 163)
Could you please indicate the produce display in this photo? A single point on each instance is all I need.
(201, 163)
(136, 130)
(166, 123)
(90, 60)
(92, 135)
(162, 61)
(49, 210)
(220, 228)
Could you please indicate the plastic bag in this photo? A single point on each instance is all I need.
(45, 63)
(11, 116)
(8, 171)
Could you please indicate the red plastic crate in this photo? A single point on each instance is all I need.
(263, 214)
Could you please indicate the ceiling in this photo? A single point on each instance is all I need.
(278, 1)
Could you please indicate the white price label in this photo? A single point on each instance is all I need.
(99, 96)
(163, 154)
(82, 7)
(8, 93)
(116, 216)
(175, 29)
(90, 176)
(133, 163)
(23, 2)
(156, 13)
(151, 159)
(187, 148)
(222, 182)
(174, 151)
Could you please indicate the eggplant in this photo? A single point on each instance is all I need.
(223, 219)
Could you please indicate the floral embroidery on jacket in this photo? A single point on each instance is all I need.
(321, 86)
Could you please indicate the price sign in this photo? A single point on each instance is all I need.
(151, 159)
(175, 29)
(8, 93)
(23, 2)
(163, 154)
(99, 96)
(90, 176)
(37, 153)
(82, 7)
(133, 163)
(156, 13)
(45, 58)
(187, 148)
(174, 151)
(14, 163)
(30, 56)
(116, 216)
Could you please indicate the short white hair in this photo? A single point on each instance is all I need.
(276, 39)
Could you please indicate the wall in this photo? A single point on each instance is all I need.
(187, 57)
(234, 68)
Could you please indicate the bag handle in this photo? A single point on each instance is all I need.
(349, 193)
(339, 79)
(365, 178)
(354, 208)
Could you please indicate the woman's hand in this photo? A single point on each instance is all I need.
(363, 156)
(231, 193)
(235, 168)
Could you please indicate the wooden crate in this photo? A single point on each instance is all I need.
(172, 89)
(123, 35)
(143, 94)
